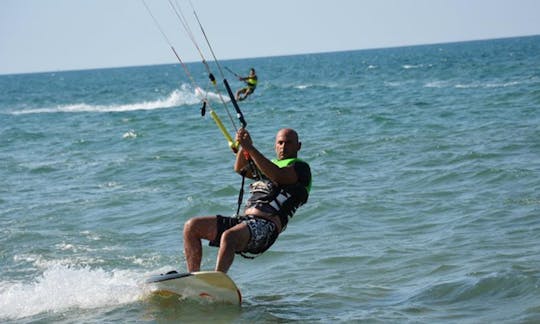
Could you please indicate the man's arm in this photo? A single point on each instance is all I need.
(241, 165)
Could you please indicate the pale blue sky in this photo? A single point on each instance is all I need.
(52, 35)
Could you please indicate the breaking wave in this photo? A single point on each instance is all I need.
(176, 98)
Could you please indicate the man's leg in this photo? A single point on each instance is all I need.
(196, 229)
(241, 94)
(232, 240)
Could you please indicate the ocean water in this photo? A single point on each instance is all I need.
(425, 206)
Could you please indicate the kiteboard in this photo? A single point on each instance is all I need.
(209, 286)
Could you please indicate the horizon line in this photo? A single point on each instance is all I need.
(267, 56)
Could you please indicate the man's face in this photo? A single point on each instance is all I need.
(287, 144)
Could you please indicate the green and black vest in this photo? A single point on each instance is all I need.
(282, 200)
(251, 82)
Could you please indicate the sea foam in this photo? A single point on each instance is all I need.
(62, 287)
(176, 98)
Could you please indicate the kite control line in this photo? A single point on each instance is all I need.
(232, 144)
(235, 74)
(239, 114)
(181, 17)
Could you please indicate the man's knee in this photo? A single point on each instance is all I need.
(227, 238)
(236, 240)
(188, 227)
(201, 228)
(191, 226)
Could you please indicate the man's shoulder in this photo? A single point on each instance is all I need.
(300, 162)
(301, 166)
(289, 162)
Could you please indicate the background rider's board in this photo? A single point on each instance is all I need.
(213, 286)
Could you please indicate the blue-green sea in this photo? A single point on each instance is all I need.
(425, 205)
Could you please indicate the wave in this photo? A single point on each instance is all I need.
(480, 84)
(211, 96)
(62, 287)
(487, 85)
(496, 286)
(315, 86)
(176, 98)
(417, 66)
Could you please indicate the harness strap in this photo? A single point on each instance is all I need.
(247, 256)
(258, 175)
(241, 192)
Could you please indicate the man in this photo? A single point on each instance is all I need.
(283, 187)
(251, 84)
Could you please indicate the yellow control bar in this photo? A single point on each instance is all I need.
(232, 144)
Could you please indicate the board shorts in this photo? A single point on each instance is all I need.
(263, 232)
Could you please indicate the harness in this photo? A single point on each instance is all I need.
(273, 199)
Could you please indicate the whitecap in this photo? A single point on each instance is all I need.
(211, 96)
(176, 98)
(130, 134)
(62, 287)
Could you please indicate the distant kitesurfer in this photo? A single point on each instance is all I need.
(251, 84)
(282, 186)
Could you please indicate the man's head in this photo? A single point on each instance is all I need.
(287, 144)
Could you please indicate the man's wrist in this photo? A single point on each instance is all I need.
(248, 149)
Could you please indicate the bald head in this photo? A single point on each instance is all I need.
(287, 144)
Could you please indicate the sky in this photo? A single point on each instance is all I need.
(57, 35)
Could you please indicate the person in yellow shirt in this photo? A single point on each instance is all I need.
(251, 84)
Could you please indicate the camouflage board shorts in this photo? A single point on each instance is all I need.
(263, 232)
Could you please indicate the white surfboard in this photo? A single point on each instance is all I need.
(211, 286)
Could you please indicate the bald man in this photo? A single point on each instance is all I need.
(282, 185)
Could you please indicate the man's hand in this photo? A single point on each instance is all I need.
(244, 139)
